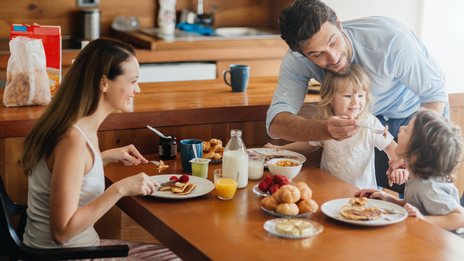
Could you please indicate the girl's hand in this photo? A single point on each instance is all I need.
(398, 176)
(371, 193)
(272, 146)
(137, 185)
(128, 155)
(413, 211)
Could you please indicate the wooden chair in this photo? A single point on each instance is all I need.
(12, 247)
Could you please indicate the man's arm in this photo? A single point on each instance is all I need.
(439, 107)
(296, 128)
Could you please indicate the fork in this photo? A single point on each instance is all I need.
(374, 130)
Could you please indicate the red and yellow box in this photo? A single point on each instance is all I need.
(51, 39)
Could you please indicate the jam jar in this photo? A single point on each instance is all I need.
(168, 148)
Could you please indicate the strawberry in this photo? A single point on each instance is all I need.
(184, 178)
(174, 178)
(277, 179)
(265, 183)
(268, 180)
(274, 188)
(284, 181)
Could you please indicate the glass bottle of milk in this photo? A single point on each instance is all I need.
(236, 157)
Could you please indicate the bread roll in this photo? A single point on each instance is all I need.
(269, 203)
(209, 155)
(215, 148)
(287, 209)
(206, 146)
(306, 206)
(287, 194)
(216, 142)
(305, 191)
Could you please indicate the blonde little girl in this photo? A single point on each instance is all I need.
(352, 159)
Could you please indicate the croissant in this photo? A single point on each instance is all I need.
(216, 141)
(215, 148)
(206, 146)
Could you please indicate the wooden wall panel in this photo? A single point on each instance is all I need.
(457, 116)
(65, 13)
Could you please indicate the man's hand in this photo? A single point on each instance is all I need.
(342, 127)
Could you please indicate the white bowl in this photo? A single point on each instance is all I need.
(289, 172)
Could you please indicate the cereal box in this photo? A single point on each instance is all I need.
(51, 39)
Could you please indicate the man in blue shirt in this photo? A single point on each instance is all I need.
(404, 74)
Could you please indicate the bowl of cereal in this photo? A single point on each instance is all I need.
(284, 167)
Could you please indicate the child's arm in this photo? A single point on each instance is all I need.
(451, 221)
(299, 146)
(375, 193)
(398, 176)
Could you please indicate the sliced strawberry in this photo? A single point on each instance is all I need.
(184, 178)
(274, 188)
(174, 178)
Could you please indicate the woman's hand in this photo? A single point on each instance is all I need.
(128, 155)
(397, 163)
(137, 185)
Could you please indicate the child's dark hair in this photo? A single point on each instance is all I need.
(435, 148)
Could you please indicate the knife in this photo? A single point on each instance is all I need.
(169, 183)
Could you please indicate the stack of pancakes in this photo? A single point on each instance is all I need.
(179, 188)
(357, 211)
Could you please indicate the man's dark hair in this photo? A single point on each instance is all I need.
(299, 21)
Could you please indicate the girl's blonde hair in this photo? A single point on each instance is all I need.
(357, 78)
(77, 97)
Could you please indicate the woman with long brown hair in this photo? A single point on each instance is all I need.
(62, 159)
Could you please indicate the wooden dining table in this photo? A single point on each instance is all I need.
(207, 228)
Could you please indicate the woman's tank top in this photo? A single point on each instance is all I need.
(37, 233)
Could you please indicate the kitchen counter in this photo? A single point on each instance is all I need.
(171, 104)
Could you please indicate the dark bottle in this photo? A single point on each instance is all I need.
(168, 148)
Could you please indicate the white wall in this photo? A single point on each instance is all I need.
(436, 22)
(409, 12)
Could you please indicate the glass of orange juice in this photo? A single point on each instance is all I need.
(226, 181)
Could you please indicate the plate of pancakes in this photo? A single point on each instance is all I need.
(194, 188)
(364, 212)
(293, 227)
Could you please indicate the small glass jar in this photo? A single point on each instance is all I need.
(168, 148)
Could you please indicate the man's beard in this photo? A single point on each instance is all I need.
(347, 68)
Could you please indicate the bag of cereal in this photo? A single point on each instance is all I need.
(27, 80)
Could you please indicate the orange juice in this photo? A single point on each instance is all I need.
(226, 188)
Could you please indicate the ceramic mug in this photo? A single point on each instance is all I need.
(186, 152)
(239, 75)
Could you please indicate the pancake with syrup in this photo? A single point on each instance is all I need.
(357, 211)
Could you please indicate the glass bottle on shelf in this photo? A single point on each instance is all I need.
(236, 157)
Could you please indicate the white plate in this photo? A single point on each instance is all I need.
(204, 186)
(332, 209)
(269, 226)
(257, 191)
(287, 216)
(279, 152)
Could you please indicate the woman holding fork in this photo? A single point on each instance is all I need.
(352, 159)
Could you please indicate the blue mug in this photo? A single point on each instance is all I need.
(239, 75)
(186, 152)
